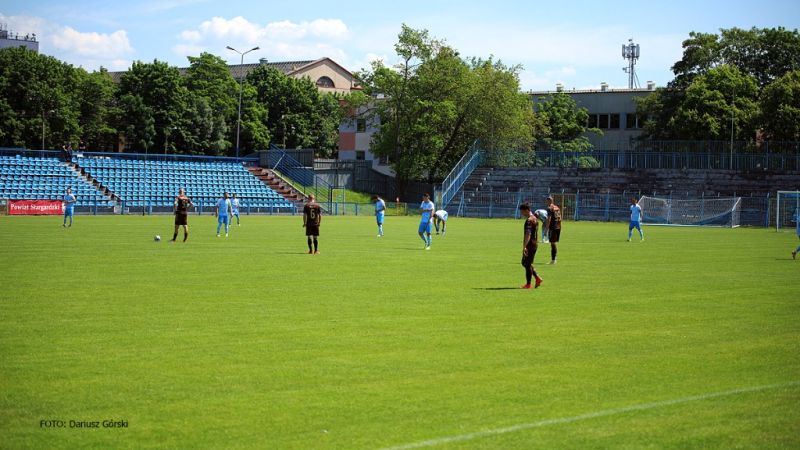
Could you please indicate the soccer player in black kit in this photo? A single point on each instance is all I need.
(529, 246)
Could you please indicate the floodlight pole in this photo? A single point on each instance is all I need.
(241, 80)
(733, 108)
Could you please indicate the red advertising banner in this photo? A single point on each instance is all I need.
(55, 207)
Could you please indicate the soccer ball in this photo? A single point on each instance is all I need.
(157, 238)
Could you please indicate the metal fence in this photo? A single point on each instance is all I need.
(754, 211)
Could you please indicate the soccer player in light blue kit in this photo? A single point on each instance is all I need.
(636, 220)
(797, 220)
(234, 210)
(69, 207)
(223, 208)
(380, 210)
(541, 215)
(425, 225)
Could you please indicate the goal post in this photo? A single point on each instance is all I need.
(697, 212)
(787, 204)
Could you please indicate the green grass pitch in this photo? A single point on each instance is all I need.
(690, 339)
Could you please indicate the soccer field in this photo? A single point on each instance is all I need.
(690, 339)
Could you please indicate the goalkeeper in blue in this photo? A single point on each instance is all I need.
(797, 221)
(636, 220)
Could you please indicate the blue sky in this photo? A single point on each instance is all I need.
(576, 43)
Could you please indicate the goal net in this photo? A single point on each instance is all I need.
(787, 205)
(710, 212)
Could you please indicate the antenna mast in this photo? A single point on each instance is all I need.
(631, 53)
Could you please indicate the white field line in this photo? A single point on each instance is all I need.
(593, 415)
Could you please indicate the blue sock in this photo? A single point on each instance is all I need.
(218, 227)
(641, 234)
(630, 233)
(380, 229)
(424, 239)
(429, 240)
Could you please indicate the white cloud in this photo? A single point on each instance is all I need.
(88, 50)
(283, 40)
(108, 46)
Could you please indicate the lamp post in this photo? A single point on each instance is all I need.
(167, 132)
(43, 119)
(241, 79)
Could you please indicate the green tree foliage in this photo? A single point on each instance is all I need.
(765, 54)
(98, 108)
(565, 121)
(216, 93)
(699, 102)
(779, 117)
(153, 101)
(721, 100)
(431, 105)
(566, 124)
(37, 91)
(289, 111)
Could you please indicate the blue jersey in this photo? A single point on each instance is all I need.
(223, 204)
(426, 216)
(69, 202)
(380, 207)
(636, 213)
(235, 205)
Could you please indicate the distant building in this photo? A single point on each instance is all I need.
(611, 110)
(11, 39)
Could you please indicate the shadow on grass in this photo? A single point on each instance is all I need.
(496, 289)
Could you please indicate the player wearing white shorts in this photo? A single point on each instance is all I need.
(541, 215)
(440, 216)
(234, 211)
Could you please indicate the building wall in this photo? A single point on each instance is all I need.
(613, 111)
(342, 81)
(8, 39)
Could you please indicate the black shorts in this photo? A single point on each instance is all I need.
(311, 230)
(554, 235)
(528, 260)
(181, 218)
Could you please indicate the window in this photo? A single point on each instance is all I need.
(631, 121)
(592, 121)
(602, 123)
(325, 82)
(614, 122)
(361, 155)
(361, 125)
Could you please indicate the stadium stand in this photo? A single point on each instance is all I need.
(156, 183)
(32, 178)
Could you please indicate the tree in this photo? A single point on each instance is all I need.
(208, 78)
(779, 102)
(721, 100)
(565, 121)
(153, 101)
(291, 111)
(431, 105)
(97, 99)
(766, 54)
(37, 93)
